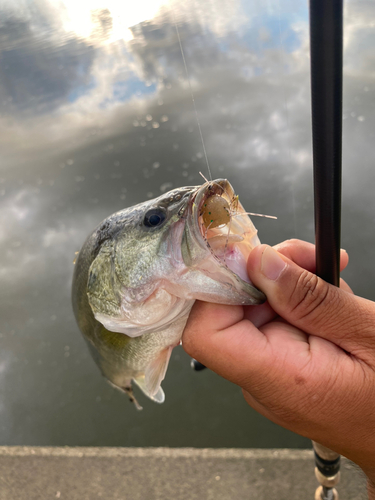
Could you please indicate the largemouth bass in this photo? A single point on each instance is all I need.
(140, 271)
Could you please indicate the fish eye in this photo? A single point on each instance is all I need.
(154, 217)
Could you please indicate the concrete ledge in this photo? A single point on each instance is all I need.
(28, 473)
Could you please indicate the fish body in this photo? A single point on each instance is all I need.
(138, 274)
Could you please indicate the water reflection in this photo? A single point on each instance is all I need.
(95, 115)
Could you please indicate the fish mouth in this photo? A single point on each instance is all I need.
(224, 228)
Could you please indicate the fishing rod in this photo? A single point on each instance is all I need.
(326, 52)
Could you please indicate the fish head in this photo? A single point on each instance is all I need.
(139, 256)
(159, 256)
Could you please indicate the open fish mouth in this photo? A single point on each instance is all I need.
(224, 227)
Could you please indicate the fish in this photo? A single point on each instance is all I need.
(140, 271)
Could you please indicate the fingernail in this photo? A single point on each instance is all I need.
(272, 265)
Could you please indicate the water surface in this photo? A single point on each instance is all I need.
(96, 115)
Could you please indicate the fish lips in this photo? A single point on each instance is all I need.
(197, 251)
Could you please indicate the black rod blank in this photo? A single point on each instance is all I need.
(326, 35)
(326, 51)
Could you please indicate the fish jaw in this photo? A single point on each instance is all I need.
(221, 253)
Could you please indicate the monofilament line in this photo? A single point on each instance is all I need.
(192, 95)
(286, 107)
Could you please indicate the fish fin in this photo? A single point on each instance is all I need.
(159, 397)
(150, 382)
(129, 391)
(155, 371)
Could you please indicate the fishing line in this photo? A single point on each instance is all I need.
(286, 108)
(192, 95)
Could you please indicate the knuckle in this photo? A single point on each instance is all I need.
(293, 242)
(188, 345)
(187, 340)
(309, 296)
(287, 244)
(191, 340)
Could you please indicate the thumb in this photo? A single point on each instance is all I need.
(311, 304)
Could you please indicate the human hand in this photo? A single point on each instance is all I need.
(305, 359)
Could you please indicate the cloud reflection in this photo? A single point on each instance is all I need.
(83, 82)
(96, 114)
(39, 74)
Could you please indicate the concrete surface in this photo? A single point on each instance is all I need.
(28, 473)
